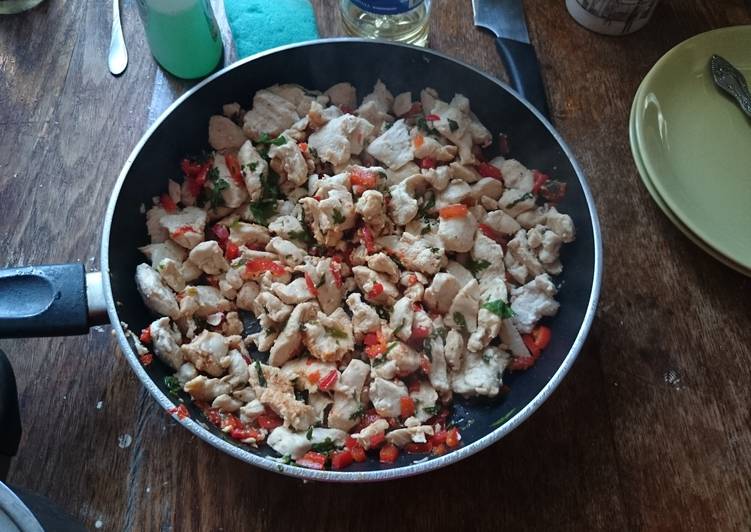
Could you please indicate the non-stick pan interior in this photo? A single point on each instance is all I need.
(319, 65)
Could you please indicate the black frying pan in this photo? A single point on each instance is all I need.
(54, 300)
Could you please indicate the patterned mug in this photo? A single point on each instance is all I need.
(612, 17)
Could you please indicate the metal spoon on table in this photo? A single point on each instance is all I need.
(118, 57)
(732, 81)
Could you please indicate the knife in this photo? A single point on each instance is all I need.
(505, 18)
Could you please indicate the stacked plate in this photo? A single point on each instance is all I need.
(692, 145)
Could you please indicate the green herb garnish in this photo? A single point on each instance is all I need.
(259, 370)
(215, 192)
(265, 139)
(309, 434)
(423, 124)
(499, 308)
(263, 210)
(521, 198)
(172, 384)
(337, 216)
(357, 414)
(503, 419)
(391, 346)
(270, 185)
(324, 447)
(432, 410)
(335, 332)
(453, 126)
(476, 266)
(460, 320)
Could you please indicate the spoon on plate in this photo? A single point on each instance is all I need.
(732, 81)
(118, 56)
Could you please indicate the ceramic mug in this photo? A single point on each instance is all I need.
(612, 17)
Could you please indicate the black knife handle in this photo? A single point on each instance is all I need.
(523, 69)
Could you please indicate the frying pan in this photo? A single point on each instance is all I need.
(61, 299)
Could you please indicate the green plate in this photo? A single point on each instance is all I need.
(695, 143)
(666, 210)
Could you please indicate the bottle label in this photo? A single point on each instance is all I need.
(387, 7)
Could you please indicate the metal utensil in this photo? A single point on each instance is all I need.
(732, 81)
(505, 18)
(118, 57)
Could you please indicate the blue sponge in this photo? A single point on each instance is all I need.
(258, 25)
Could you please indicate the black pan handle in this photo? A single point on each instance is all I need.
(53, 300)
(523, 69)
(10, 419)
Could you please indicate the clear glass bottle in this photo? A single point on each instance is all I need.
(395, 20)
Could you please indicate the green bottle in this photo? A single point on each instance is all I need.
(183, 36)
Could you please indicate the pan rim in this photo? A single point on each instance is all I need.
(272, 465)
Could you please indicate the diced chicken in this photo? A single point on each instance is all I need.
(382, 263)
(244, 234)
(500, 222)
(394, 146)
(202, 301)
(251, 411)
(206, 351)
(487, 186)
(516, 175)
(169, 270)
(342, 95)
(224, 134)
(454, 349)
(186, 227)
(225, 403)
(441, 292)
(340, 138)
(406, 359)
(381, 96)
(209, 257)
(480, 373)
(289, 340)
(515, 202)
(402, 104)
(401, 318)
(419, 254)
(237, 368)
(426, 147)
(461, 171)
(247, 295)
(288, 443)
(462, 314)
(373, 114)
(489, 254)
(289, 253)
(186, 372)
(425, 399)
(268, 303)
(414, 434)
(254, 169)
(293, 293)
(296, 414)
(397, 176)
(288, 227)
(347, 398)
(488, 325)
(428, 97)
(233, 193)
(287, 160)
(157, 232)
(166, 341)
(456, 192)
(202, 388)
(533, 301)
(231, 110)
(164, 250)
(512, 339)
(374, 430)
(438, 178)
(520, 261)
(155, 295)
(458, 233)
(364, 317)
(329, 338)
(462, 274)
(271, 114)
(438, 375)
(295, 94)
(560, 224)
(386, 396)
(547, 245)
(366, 279)
(372, 209)
(264, 339)
(329, 216)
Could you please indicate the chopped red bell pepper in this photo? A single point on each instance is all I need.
(425, 364)
(453, 437)
(241, 434)
(457, 210)
(529, 341)
(419, 333)
(235, 171)
(146, 359)
(231, 251)
(167, 203)
(269, 421)
(327, 382)
(490, 233)
(341, 459)
(303, 147)
(311, 285)
(407, 406)
(388, 454)
(521, 363)
(230, 422)
(415, 109)
(214, 417)
(432, 118)
(440, 449)
(363, 178)
(412, 280)
(312, 460)
(541, 335)
(182, 230)
(358, 453)
(439, 437)
(418, 448)
(375, 344)
(145, 335)
(376, 291)
(413, 386)
(488, 170)
(428, 163)
(367, 239)
(336, 273)
(377, 439)
(180, 411)
(314, 377)
(195, 174)
(539, 181)
(256, 266)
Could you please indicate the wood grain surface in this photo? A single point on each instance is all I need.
(651, 430)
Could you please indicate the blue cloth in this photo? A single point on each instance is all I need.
(258, 25)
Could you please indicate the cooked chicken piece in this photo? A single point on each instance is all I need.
(533, 301)
(414, 292)
(364, 317)
(234, 193)
(560, 224)
(186, 372)
(454, 125)
(441, 292)
(288, 443)
(237, 368)
(516, 175)
(318, 116)
(287, 227)
(157, 232)
(166, 340)
(295, 94)
(268, 303)
(512, 339)
(402, 104)
(340, 138)
(381, 96)
(376, 429)
(547, 245)
(247, 295)
(297, 371)
(264, 339)
(487, 186)
(487, 255)
(462, 274)
(320, 402)
(342, 95)
(456, 192)
(489, 204)
(271, 114)
(462, 314)
(288, 252)
(295, 414)
(426, 147)
(438, 178)
(244, 395)
(400, 174)
(164, 250)
(406, 359)
(403, 206)
(515, 202)
(393, 147)
(347, 398)
(329, 338)
(287, 160)
(373, 114)
(232, 110)
(420, 254)
(480, 373)
(520, 261)
(371, 207)
(413, 434)
(428, 97)
(251, 411)
(425, 399)
(488, 325)
(401, 318)
(254, 169)
(209, 257)
(467, 173)
(458, 234)
(206, 351)
(155, 295)
(293, 293)
(225, 403)
(386, 396)
(454, 349)
(224, 134)
(186, 227)
(330, 216)
(230, 283)
(434, 347)
(201, 301)
(529, 219)
(202, 388)
(382, 263)
(289, 340)
(366, 279)
(244, 234)
(169, 270)
(502, 223)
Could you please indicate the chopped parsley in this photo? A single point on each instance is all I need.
(324, 447)
(377, 361)
(270, 185)
(259, 370)
(250, 166)
(303, 236)
(335, 332)
(476, 266)
(423, 124)
(391, 346)
(215, 192)
(172, 384)
(309, 434)
(499, 308)
(401, 326)
(337, 216)
(426, 206)
(265, 139)
(435, 250)
(503, 419)
(521, 198)
(287, 460)
(460, 320)
(432, 410)
(357, 414)
(263, 210)
(453, 126)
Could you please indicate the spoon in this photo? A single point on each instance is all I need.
(732, 81)
(118, 57)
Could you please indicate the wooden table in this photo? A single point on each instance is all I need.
(651, 430)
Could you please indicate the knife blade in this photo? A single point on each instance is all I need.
(505, 19)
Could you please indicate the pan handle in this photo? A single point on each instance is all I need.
(51, 300)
